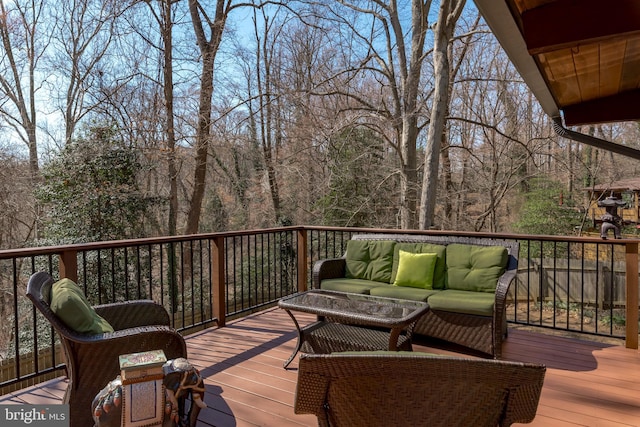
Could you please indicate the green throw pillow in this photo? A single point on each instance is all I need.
(71, 306)
(439, 274)
(415, 270)
(475, 268)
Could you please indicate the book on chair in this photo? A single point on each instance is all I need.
(143, 366)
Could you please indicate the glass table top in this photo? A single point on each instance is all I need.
(330, 303)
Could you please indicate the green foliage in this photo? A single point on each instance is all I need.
(216, 217)
(356, 170)
(544, 213)
(90, 191)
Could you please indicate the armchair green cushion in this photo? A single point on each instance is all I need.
(72, 307)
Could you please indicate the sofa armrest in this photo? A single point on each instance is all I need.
(499, 307)
(331, 268)
(502, 288)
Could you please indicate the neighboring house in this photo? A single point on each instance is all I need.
(625, 189)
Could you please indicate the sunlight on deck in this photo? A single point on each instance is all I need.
(587, 383)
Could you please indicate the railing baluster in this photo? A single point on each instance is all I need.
(16, 326)
(218, 280)
(582, 303)
(113, 274)
(303, 262)
(631, 313)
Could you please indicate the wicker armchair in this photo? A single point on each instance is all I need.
(92, 360)
(411, 389)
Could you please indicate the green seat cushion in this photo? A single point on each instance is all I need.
(467, 302)
(354, 286)
(439, 273)
(475, 268)
(369, 260)
(415, 270)
(400, 292)
(71, 306)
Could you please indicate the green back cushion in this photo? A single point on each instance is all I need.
(370, 260)
(71, 306)
(439, 275)
(475, 268)
(415, 270)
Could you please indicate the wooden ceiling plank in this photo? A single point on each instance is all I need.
(560, 74)
(612, 55)
(586, 60)
(630, 79)
(565, 23)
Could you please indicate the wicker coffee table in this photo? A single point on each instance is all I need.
(349, 322)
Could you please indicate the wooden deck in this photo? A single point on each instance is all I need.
(587, 383)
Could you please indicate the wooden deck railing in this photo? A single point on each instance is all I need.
(577, 284)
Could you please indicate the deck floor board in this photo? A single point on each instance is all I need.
(587, 383)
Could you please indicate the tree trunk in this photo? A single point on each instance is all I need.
(408, 176)
(208, 49)
(202, 145)
(170, 134)
(449, 12)
(447, 222)
(411, 72)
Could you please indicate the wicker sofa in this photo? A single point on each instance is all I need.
(467, 293)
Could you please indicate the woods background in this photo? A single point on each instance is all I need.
(122, 119)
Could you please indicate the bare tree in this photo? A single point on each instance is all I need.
(208, 31)
(17, 219)
(385, 48)
(266, 115)
(24, 39)
(162, 12)
(165, 21)
(450, 11)
(490, 137)
(84, 30)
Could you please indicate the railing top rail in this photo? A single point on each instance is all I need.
(47, 250)
(507, 236)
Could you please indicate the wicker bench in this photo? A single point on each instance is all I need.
(483, 333)
(413, 389)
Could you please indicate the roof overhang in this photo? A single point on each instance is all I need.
(580, 58)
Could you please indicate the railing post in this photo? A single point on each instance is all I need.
(632, 295)
(302, 260)
(218, 274)
(68, 265)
